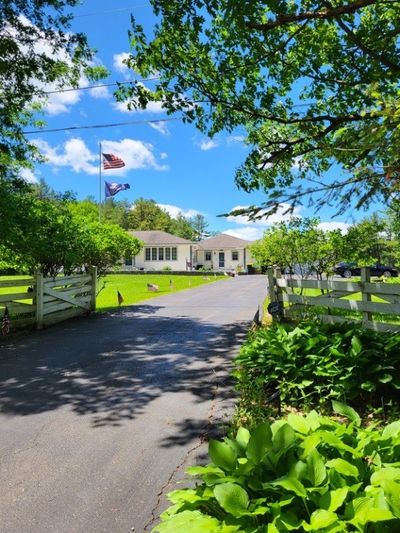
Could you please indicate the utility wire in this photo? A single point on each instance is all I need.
(86, 87)
(95, 126)
(111, 11)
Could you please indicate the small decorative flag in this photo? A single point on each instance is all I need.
(112, 161)
(111, 189)
(120, 298)
(171, 285)
(5, 326)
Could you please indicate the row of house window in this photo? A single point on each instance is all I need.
(235, 255)
(161, 254)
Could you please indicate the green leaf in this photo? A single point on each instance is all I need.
(299, 423)
(313, 420)
(356, 345)
(386, 378)
(222, 455)
(392, 430)
(316, 471)
(332, 500)
(346, 410)
(291, 485)
(232, 498)
(320, 519)
(283, 438)
(193, 522)
(343, 467)
(391, 490)
(242, 437)
(385, 474)
(259, 442)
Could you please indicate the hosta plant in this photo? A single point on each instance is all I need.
(302, 473)
(312, 363)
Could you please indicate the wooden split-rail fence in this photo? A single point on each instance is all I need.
(40, 301)
(338, 300)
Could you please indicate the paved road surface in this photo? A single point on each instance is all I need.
(100, 416)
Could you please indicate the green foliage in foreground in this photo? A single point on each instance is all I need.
(133, 287)
(311, 363)
(305, 473)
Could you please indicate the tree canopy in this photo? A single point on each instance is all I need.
(313, 83)
(37, 53)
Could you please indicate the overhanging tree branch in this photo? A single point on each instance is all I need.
(329, 13)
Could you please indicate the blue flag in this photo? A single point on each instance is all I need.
(111, 189)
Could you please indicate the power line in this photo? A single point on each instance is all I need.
(110, 11)
(95, 126)
(86, 87)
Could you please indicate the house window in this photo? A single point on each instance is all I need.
(208, 256)
(235, 256)
(154, 254)
(174, 253)
(128, 261)
(147, 254)
(167, 254)
(161, 254)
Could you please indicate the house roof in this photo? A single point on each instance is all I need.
(223, 241)
(158, 237)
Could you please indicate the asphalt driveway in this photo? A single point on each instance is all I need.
(100, 416)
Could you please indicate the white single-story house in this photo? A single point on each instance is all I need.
(161, 250)
(223, 252)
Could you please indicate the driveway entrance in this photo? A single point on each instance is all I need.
(100, 416)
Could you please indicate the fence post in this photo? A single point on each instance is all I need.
(39, 299)
(93, 273)
(366, 297)
(271, 285)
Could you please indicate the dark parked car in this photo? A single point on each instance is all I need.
(346, 270)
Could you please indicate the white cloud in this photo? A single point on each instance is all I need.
(100, 92)
(152, 107)
(120, 66)
(246, 232)
(163, 155)
(60, 99)
(236, 139)
(174, 211)
(27, 175)
(73, 153)
(161, 127)
(282, 215)
(252, 230)
(330, 226)
(76, 155)
(208, 144)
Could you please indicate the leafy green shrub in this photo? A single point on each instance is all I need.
(167, 268)
(305, 473)
(312, 363)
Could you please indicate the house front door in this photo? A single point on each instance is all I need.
(221, 259)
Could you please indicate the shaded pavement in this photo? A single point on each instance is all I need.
(100, 416)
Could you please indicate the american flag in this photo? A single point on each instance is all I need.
(5, 326)
(112, 161)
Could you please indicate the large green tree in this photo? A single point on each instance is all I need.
(300, 246)
(314, 83)
(55, 233)
(37, 50)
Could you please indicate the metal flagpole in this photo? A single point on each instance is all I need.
(100, 155)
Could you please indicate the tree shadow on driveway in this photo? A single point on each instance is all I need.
(112, 366)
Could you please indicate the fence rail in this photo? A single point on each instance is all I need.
(40, 301)
(352, 299)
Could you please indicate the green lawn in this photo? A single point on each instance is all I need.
(133, 288)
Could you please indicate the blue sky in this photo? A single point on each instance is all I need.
(169, 162)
